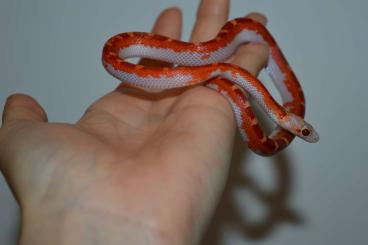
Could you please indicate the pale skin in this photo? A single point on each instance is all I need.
(137, 168)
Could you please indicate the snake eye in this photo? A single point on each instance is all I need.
(305, 132)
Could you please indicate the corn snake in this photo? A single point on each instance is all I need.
(200, 64)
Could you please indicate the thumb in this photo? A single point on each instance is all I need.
(23, 107)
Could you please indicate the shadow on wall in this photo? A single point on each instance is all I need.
(228, 213)
(13, 236)
(9, 215)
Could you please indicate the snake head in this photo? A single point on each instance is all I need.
(298, 126)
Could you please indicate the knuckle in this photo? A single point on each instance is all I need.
(255, 49)
(251, 53)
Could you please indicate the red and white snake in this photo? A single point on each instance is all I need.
(199, 64)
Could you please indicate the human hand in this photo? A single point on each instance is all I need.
(137, 168)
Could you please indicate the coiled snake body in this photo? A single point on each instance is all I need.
(201, 63)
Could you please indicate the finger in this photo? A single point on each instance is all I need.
(258, 17)
(23, 107)
(252, 56)
(211, 16)
(168, 23)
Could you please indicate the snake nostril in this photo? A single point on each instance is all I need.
(305, 132)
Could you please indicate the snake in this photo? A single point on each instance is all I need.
(204, 63)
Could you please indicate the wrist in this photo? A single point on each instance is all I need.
(77, 225)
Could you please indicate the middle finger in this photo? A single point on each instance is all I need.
(211, 16)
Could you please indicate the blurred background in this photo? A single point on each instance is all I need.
(309, 194)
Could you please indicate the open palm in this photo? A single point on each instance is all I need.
(138, 160)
